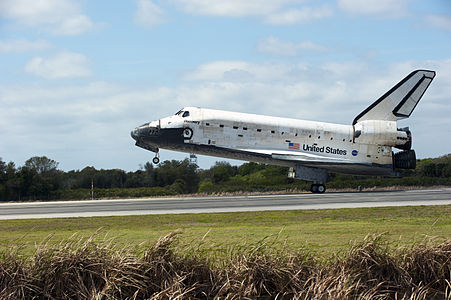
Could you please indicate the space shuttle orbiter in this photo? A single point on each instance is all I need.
(310, 149)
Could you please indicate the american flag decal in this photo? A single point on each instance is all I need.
(293, 146)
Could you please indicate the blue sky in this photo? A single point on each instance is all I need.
(77, 76)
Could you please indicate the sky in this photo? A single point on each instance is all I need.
(77, 76)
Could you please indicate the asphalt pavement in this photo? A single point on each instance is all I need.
(55, 209)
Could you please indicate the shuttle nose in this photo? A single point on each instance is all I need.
(145, 132)
(134, 134)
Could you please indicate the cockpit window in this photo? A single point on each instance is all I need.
(185, 114)
(179, 112)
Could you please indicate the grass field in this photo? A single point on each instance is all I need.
(304, 254)
(321, 232)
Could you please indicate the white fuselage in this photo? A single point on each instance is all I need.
(285, 141)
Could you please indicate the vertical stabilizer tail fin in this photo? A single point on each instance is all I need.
(400, 101)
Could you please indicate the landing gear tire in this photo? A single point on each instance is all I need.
(187, 133)
(314, 188)
(156, 160)
(317, 188)
(321, 188)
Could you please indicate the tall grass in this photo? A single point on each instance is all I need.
(85, 269)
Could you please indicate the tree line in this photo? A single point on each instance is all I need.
(40, 179)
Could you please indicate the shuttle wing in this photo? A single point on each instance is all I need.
(310, 159)
(300, 157)
(320, 162)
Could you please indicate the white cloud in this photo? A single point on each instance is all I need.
(440, 21)
(241, 71)
(149, 14)
(79, 125)
(281, 89)
(215, 71)
(299, 16)
(37, 12)
(231, 8)
(344, 69)
(286, 88)
(381, 8)
(284, 12)
(274, 46)
(58, 16)
(23, 45)
(62, 65)
(74, 25)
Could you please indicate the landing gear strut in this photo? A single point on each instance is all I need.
(317, 188)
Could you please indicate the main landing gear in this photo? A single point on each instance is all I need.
(315, 175)
(317, 188)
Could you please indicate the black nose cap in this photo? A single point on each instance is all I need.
(134, 134)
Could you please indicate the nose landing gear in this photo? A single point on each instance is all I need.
(156, 159)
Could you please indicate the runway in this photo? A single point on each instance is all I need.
(209, 204)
